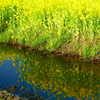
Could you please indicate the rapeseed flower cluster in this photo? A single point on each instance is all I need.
(63, 20)
(60, 14)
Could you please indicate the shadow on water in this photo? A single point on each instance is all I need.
(50, 76)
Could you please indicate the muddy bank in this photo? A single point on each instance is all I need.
(56, 52)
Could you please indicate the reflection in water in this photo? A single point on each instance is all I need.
(61, 76)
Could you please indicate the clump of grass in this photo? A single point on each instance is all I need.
(51, 24)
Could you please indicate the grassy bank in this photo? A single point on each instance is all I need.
(67, 26)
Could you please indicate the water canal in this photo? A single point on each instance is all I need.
(50, 76)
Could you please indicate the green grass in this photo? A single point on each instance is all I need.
(69, 29)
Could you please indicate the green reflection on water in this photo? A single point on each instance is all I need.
(62, 73)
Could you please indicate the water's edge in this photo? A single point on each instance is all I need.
(57, 52)
(6, 95)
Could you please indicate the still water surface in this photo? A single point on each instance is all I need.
(50, 76)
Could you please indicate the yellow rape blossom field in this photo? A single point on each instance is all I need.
(67, 26)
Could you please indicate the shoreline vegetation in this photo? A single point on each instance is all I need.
(56, 52)
(67, 27)
(4, 95)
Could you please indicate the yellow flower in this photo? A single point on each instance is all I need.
(12, 37)
(27, 26)
(14, 64)
(35, 94)
(23, 69)
(18, 35)
(22, 87)
(57, 71)
(17, 80)
(76, 68)
(10, 17)
(6, 22)
(19, 70)
(22, 29)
